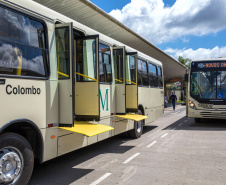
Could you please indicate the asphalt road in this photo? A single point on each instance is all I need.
(173, 150)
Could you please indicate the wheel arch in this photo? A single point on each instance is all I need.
(30, 131)
(141, 108)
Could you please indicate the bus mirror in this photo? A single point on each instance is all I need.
(186, 77)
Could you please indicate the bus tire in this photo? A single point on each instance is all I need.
(16, 159)
(197, 120)
(138, 128)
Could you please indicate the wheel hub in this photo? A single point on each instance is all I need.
(139, 126)
(7, 166)
(10, 165)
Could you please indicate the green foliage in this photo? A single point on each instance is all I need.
(184, 61)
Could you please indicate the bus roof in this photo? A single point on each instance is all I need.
(51, 16)
(211, 60)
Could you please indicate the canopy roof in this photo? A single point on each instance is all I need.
(87, 13)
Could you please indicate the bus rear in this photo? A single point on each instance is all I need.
(206, 92)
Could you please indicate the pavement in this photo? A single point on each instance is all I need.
(170, 106)
(174, 150)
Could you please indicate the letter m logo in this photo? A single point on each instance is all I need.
(104, 103)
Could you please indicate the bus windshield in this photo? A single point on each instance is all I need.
(208, 84)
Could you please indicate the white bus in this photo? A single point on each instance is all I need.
(64, 86)
(206, 91)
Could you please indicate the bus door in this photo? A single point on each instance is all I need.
(87, 97)
(120, 85)
(64, 49)
(131, 82)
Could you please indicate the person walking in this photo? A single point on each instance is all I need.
(173, 98)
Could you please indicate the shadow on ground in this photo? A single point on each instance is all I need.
(205, 124)
(148, 128)
(62, 170)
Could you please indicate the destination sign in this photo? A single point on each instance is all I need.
(205, 65)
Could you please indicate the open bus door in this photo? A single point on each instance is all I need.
(64, 49)
(87, 97)
(120, 85)
(131, 82)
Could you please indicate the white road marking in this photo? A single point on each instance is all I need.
(164, 135)
(132, 157)
(180, 124)
(128, 173)
(173, 129)
(176, 112)
(151, 144)
(101, 179)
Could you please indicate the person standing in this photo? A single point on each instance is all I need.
(173, 98)
(166, 101)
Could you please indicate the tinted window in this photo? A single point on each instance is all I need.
(118, 63)
(152, 69)
(130, 69)
(152, 73)
(105, 70)
(22, 45)
(159, 71)
(142, 73)
(86, 69)
(63, 57)
(160, 77)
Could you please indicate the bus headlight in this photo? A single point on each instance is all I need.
(191, 105)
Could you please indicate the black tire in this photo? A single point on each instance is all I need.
(11, 143)
(197, 120)
(138, 128)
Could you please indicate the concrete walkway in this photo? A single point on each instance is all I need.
(170, 106)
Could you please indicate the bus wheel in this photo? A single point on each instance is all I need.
(138, 128)
(16, 159)
(197, 120)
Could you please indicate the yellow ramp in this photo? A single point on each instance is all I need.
(135, 117)
(87, 128)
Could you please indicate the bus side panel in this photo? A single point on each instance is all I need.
(105, 101)
(122, 125)
(19, 105)
(106, 108)
(144, 100)
(70, 142)
(156, 102)
(50, 143)
(160, 103)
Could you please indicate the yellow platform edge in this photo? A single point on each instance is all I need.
(135, 117)
(88, 129)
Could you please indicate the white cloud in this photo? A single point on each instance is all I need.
(159, 23)
(201, 53)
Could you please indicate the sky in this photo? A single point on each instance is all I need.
(194, 29)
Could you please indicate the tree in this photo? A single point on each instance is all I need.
(184, 61)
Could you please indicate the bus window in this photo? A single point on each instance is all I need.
(131, 70)
(63, 57)
(105, 70)
(118, 57)
(152, 72)
(203, 85)
(86, 60)
(160, 76)
(23, 49)
(142, 73)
